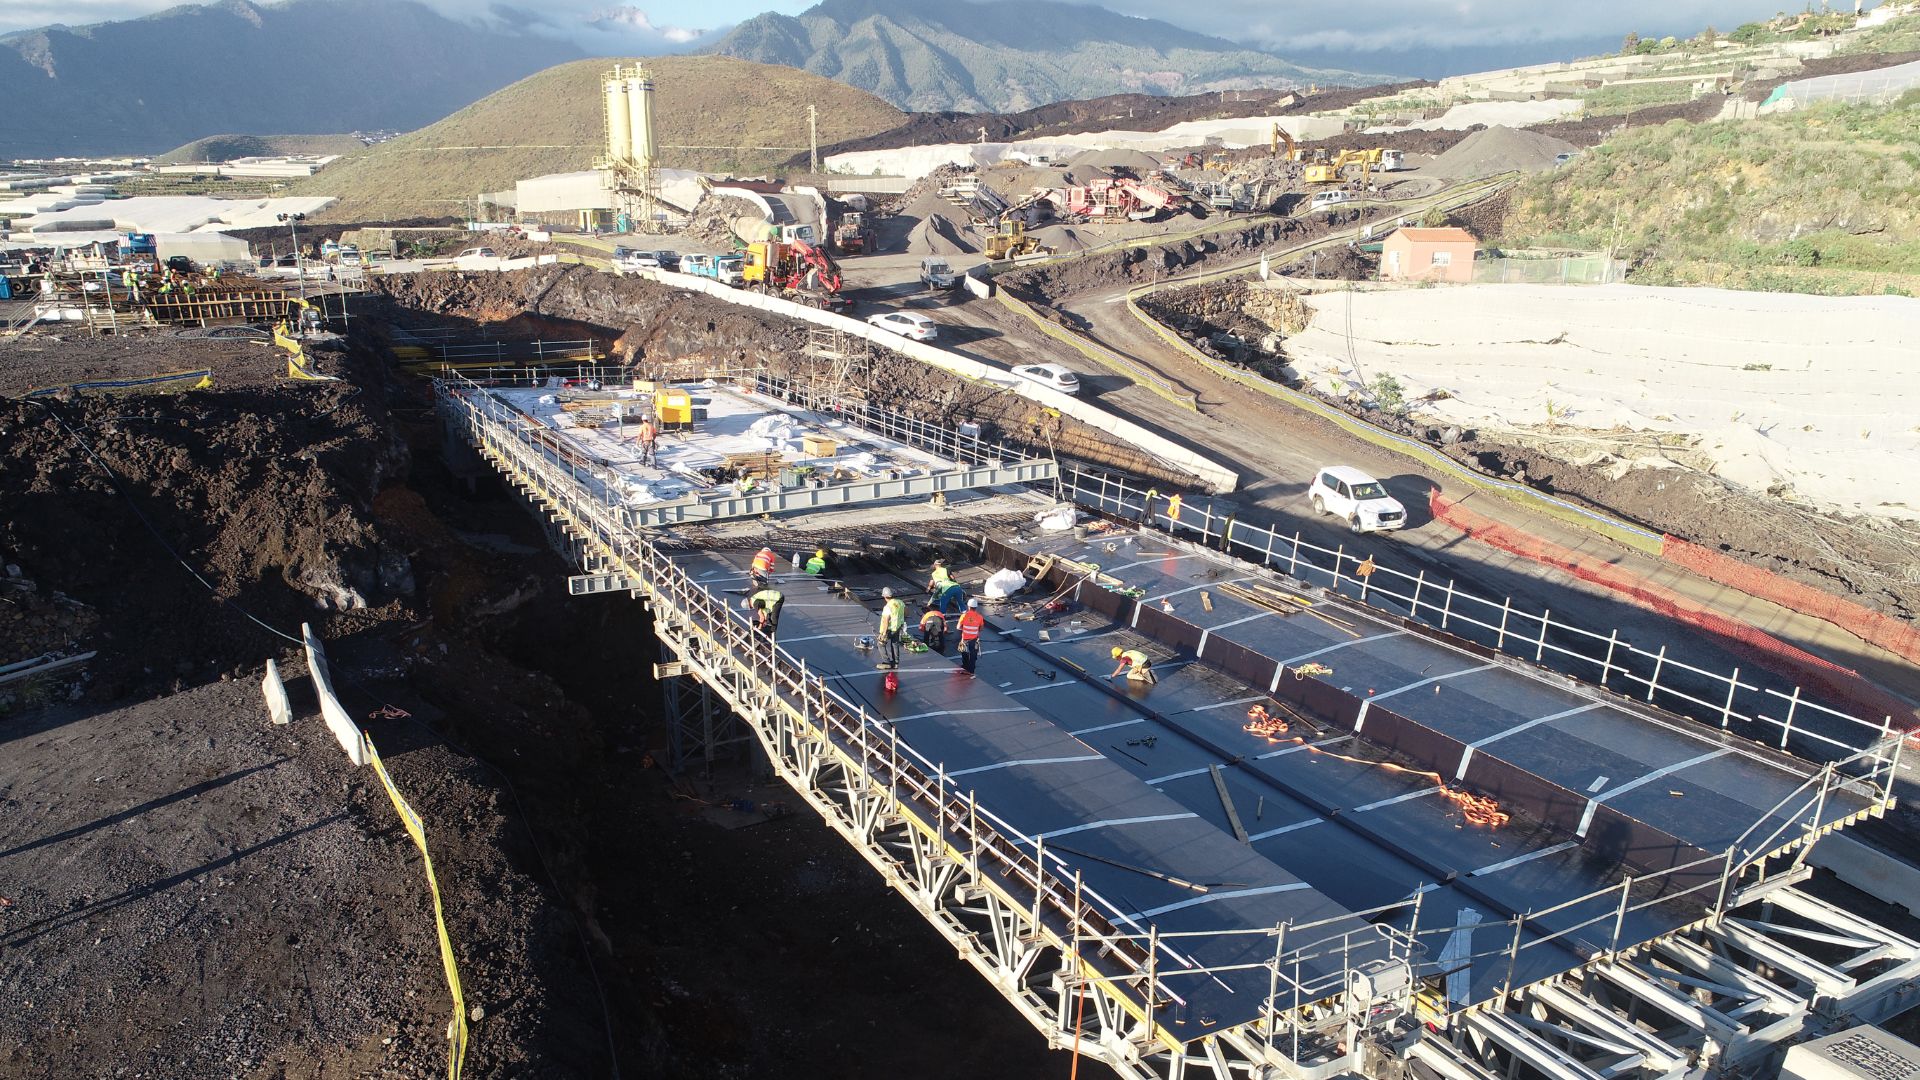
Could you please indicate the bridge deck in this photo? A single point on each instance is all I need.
(1093, 816)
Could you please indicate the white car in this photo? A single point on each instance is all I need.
(477, 253)
(636, 260)
(907, 324)
(1050, 375)
(1324, 199)
(1346, 492)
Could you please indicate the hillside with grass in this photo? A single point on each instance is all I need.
(1821, 200)
(230, 147)
(552, 122)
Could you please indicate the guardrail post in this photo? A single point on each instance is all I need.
(1659, 662)
(1540, 651)
(1513, 953)
(1620, 916)
(1786, 729)
(1266, 560)
(1726, 711)
(1606, 666)
(1446, 612)
(1339, 557)
(1293, 564)
(1273, 982)
(1506, 610)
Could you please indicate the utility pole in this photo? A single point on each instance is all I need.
(299, 266)
(813, 139)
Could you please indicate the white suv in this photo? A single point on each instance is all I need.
(1346, 492)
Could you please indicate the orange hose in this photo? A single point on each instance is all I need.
(1477, 809)
(1079, 1011)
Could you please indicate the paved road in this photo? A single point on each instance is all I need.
(1276, 449)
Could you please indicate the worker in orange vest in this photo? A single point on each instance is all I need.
(971, 623)
(763, 565)
(648, 436)
(933, 628)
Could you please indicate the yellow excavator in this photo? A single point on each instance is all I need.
(1280, 136)
(1330, 172)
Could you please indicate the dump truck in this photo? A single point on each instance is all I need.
(725, 269)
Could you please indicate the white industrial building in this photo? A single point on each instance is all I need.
(75, 216)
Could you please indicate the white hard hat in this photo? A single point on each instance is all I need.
(973, 603)
(888, 591)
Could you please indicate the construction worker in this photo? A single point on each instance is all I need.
(1136, 665)
(971, 623)
(648, 436)
(765, 605)
(763, 563)
(1173, 512)
(941, 578)
(933, 629)
(893, 627)
(817, 566)
(132, 281)
(952, 599)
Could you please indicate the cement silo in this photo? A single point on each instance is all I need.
(640, 114)
(619, 122)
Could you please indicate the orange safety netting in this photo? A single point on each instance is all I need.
(1845, 684)
(1893, 635)
(1477, 809)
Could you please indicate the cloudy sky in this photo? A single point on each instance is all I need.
(1425, 37)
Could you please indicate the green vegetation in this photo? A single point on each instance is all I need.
(553, 122)
(1613, 100)
(1819, 200)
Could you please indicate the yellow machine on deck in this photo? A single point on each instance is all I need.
(1330, 172)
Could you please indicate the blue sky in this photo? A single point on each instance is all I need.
(1465, 32)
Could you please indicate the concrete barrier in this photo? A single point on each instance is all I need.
(338, 720)
(279, 709)
(1872, 871)
(1211, 474)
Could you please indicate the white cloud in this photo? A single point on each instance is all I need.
(634, 20)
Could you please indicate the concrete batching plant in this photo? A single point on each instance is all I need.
(632, 161)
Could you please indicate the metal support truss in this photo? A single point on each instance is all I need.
(1718, 1000)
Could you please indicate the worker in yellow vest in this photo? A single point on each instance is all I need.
(817, 566)
(941, 578)
(1135, 664)
(893, 627)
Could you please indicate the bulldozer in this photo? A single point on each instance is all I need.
(1011, 241)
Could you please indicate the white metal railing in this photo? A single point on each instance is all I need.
(1607, 658)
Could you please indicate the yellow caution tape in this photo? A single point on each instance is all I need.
(457, 1028)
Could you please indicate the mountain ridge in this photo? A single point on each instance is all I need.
(1006, 55)
(147, 85)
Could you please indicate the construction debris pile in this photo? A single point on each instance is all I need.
(712, 220)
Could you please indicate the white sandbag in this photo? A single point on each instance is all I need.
(1002, 584)
(1058, 519)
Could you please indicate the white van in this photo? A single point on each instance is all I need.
(1324, 199)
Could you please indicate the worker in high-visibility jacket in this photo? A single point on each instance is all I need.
(952, 599)
(763, 565)
(893, 627)
(940, 579)
(131, 280)
(1135, 664)
(933, 629)
(971, 623)
(817, 566)
(765, 606)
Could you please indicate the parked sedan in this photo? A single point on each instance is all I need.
(1052, 376)
(1346, 492)
(907, 324)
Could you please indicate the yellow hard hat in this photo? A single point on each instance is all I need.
(1116, 652)
(822, 552)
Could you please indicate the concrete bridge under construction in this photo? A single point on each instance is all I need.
(1359, 826)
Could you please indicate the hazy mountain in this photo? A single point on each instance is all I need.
(1005, 55)
(306, 67)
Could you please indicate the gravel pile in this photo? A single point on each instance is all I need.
(1498, 150)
